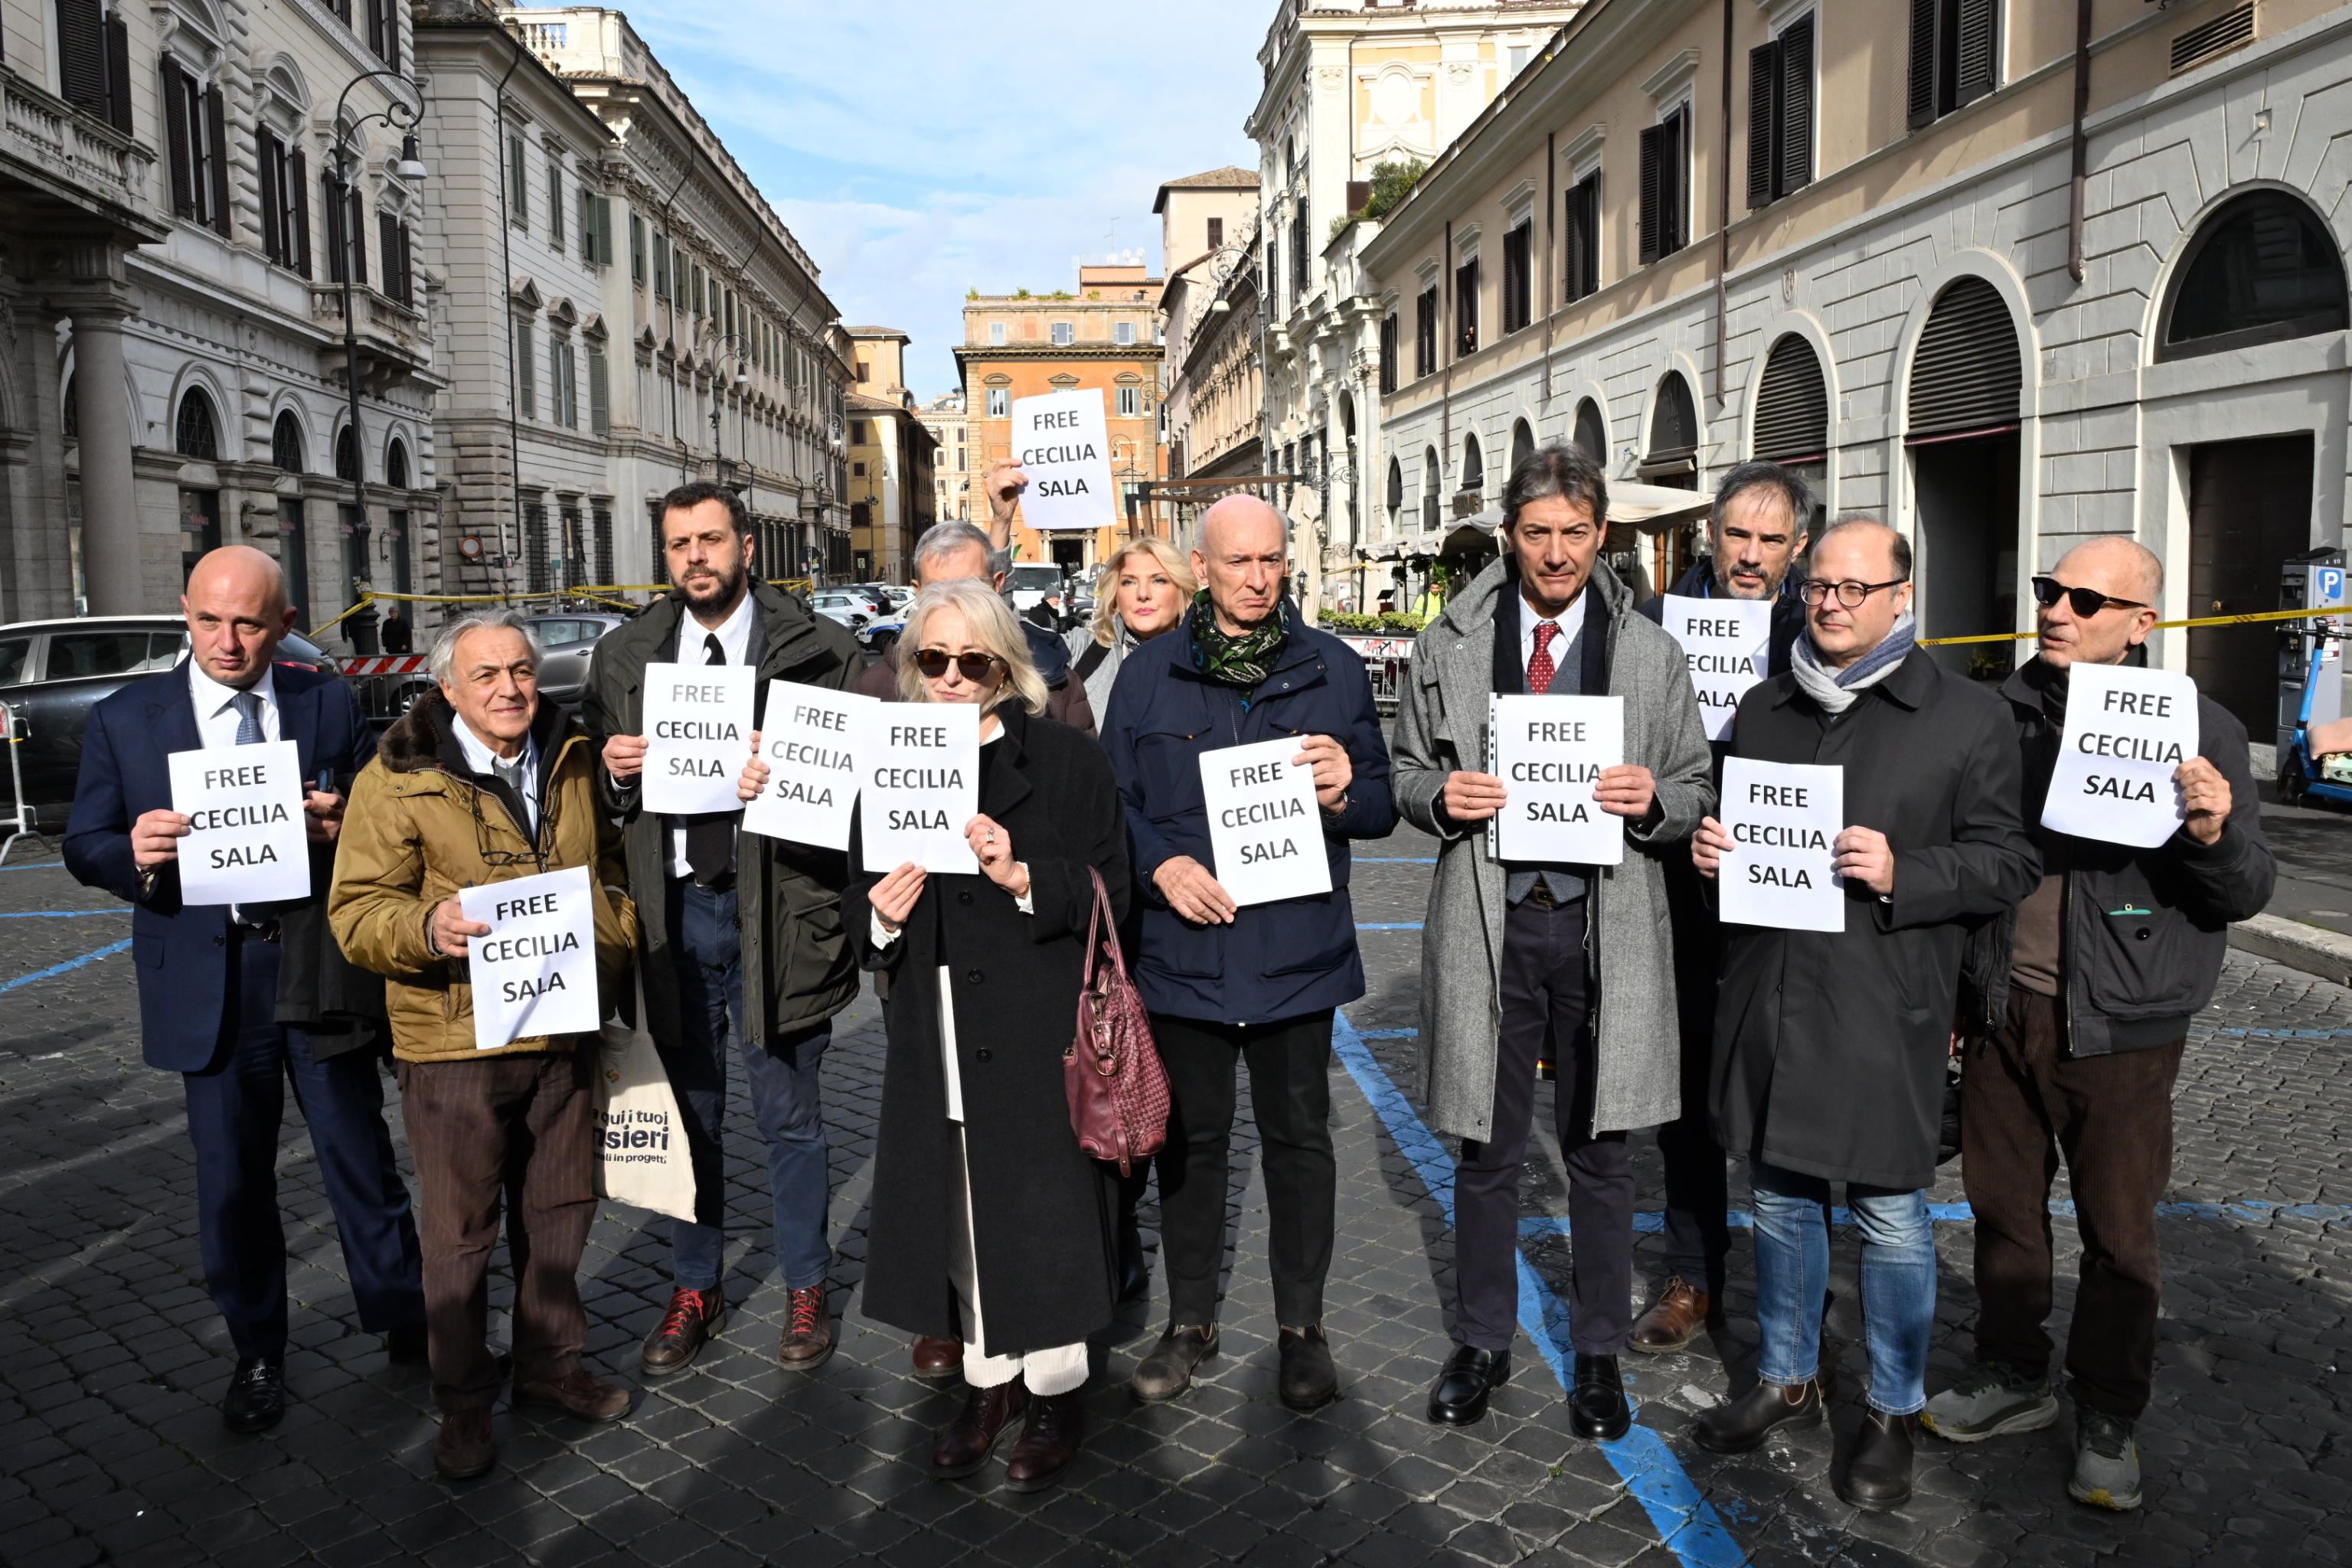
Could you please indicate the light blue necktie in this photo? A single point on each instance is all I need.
(248, 718)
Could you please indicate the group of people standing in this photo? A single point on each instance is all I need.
(2062, 972)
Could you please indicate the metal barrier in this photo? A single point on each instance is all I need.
(20, 824)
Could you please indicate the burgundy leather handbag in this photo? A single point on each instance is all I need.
(1119, 1091)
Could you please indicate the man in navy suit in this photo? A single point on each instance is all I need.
(210, 992)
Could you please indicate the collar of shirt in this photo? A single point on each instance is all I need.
(484, 760)
(1530, 618)
(213, 698)
(734, 634)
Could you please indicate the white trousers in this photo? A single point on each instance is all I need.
(1062, 1370)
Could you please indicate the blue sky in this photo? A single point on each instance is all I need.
(919, 149)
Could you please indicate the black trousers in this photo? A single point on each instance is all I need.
(1545, 1002)
(1290, 1086)
(1698, 1197)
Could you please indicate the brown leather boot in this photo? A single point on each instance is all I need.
(937, 1361)
(579, 1394)
(987, 1415)
(1049, 1441)
(808, 1342)
(694, 1317)
(1673, 1321)
(464, 1449)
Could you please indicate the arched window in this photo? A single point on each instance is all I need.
(1969, 375)
(1396, 489)
(396, 466)
(286, 442)
(1592, 435)
(1523, 443)
(1792, 405)
(1433, 480)
(2262, 270)
(1674, 426)
(347, 454)
(1473, 470)
(194, 435)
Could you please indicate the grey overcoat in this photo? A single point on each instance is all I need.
(1441, 728)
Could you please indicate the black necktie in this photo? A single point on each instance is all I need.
(711, 836)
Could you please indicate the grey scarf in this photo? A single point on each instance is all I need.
(1835, 689)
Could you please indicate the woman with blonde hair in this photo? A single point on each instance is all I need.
(1140, 592)
(989, 1224)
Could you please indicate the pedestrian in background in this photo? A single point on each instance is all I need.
(214, 979)
(1756, 533)
(1513, 966)
(393, 635)
(1227, 985)
(743, 943)
(991, 1227)
(481, 782)
(2076, 1007)
(1830, 1045)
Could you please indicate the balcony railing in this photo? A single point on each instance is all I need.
(50, 135)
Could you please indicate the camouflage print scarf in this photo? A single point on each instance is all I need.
(1245, 660)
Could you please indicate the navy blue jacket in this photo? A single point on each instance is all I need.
(180, 954)
(1274, 960)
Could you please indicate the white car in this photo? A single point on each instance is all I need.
(851, 610)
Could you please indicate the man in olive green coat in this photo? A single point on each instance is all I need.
(742, 932)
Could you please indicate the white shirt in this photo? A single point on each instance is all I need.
(1529, 623)
(484, 760)
(216, 716)
(734, 634)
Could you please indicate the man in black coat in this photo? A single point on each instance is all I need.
(1756, 533)
(2076, 1009)
(1830, 1045)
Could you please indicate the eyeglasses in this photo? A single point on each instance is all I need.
(1813, 590)
(2085, 602)
(976, 667)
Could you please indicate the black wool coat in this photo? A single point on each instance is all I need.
(1830, 1047)
(1041, 1211)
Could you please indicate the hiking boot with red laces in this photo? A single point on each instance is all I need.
(694, 1317)
(808, 1332)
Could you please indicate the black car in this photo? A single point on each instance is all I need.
(53, 672)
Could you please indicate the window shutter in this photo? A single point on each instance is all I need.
(81, 55)
(217, 144)
(1654, 159)
(1591, 185)
(600, 418)
(358, 231)
(1919, 93)
(1792, 407)
(1572, 281)
(554, 203)
(1796, 107)
(1763, 122)
(299, 176)
(407, 274)
(636, 249)
(387, 236)
(179, 153)
(526, 371)
(1977, 67)
(272, 230)
(605, 230)
(1674, 183)
(1968, 370)
(118, 74)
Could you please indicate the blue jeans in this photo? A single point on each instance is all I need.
(1793, 1275)
(781, 1074)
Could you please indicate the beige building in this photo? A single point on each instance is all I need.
(892, 458)
(1898, 286)
(1209, 381)
(954, 477)
(1345, 91)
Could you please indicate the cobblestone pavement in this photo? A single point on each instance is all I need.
(114, 1360)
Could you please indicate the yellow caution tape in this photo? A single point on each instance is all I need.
(2251, 619)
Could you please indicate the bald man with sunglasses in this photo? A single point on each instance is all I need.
(2074, 1009)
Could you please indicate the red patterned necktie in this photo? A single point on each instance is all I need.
(1540, 668)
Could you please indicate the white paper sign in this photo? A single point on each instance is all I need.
(810, 745)
(1728, 643)
(2126, 731)
(535, 974)
(1061, 443)
(1549, 752)
(1784, 817)
(698, 735)
(1266, 830)
(918, 778)
(246, 842)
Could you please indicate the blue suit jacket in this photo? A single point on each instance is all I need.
(181, 954)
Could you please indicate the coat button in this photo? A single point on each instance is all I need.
(971, 976)
(985, 1054)
(2141, 934)
(963, 898)
(221, 941)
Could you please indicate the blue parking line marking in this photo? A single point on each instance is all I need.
(70, 964)
(57, 914)
(2251, 1211)
(1390, 925)
(1686, 1522)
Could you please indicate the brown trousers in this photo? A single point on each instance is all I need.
(517, 1132)
(2023, 1102)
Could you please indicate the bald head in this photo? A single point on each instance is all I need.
(2119, 567)
(1240, 561)
(238, 614)
(2122, 579)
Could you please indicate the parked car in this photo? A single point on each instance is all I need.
(846, 605)
(878, 635)
(875, 594)
(53, 672)
(565, 642)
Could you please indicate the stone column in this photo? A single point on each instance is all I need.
(112, 546)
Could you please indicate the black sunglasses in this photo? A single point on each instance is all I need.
(2086, 602)
(1813, 590)
(934, 661)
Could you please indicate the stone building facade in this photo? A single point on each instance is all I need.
(953, 476)
(1911, 299)
(892, 458)
(1209, 381)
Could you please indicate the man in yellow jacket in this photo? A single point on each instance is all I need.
(482, 782)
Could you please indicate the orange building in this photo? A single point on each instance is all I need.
(1105, 335)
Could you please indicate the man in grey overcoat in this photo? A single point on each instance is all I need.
(1573, 963)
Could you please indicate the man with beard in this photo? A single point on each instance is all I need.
(743, 935)
(1756, 533)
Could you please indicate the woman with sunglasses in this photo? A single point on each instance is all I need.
(989, 1224)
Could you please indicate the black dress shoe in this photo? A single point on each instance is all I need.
(1469, 1377)
(1879, 1476)
(1740, 1426)
(1597, 1411)
(257, 1395)
(1166, 1371)
(1309, 1378)
(406, 1347)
